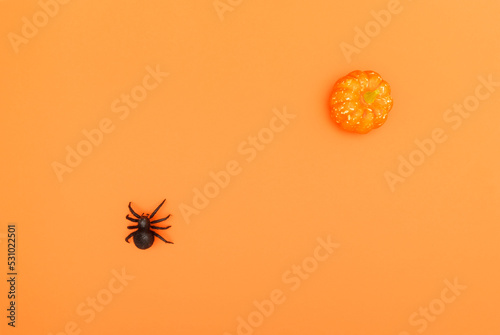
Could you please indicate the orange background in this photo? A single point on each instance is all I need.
(313, 180)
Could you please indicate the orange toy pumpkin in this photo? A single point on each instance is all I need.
(360, 101)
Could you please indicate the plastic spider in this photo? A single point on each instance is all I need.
(144, 236)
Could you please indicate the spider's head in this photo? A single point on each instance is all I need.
(143, 222)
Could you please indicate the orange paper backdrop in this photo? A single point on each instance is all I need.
(282, 223)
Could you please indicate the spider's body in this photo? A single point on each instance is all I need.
(144, 236)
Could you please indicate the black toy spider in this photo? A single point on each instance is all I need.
(144, 236)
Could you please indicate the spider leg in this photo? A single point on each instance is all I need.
(160, 220)
(132, 211)
(161, 238)
(131, 219)
(152, 227)
(132, 227)
(156, 210)
(129, 236)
